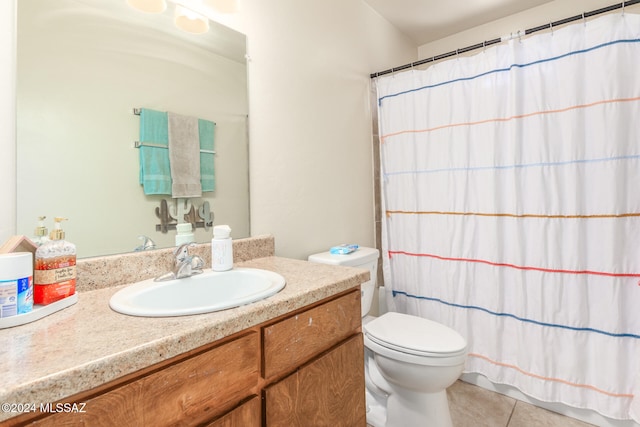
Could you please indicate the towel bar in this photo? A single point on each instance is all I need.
(138, 144)
(137, 112)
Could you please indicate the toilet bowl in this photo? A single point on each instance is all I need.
(409, 361)
(418, 359)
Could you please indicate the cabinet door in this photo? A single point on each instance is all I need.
(189, 392)
(329, 391)
(245, 415)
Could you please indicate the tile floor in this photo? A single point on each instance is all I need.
(473, 406)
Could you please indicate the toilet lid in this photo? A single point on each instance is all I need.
(414, 335)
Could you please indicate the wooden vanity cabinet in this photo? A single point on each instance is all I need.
(193, 390)
(326, 392)
(294, 340)
(321, 350)
(302, 369)
(248, 414)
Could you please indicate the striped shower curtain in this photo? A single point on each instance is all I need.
(511, 193)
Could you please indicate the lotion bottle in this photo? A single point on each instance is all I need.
(221, 248)
(54, 277)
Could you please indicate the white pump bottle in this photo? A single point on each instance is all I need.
(221, 248)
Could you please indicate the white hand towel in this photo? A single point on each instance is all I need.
(184, 156)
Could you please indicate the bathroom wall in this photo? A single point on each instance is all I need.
(309, 119)
(7, 120)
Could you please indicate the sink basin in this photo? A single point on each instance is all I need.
(202, 293)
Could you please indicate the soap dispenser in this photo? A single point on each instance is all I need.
(184, 233)
(221, 248)
(40, 234)
(55, 270)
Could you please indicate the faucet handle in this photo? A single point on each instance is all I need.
(185, 265)
(197, 263)
(181, 253)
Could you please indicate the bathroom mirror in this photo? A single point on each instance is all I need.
(83, 66)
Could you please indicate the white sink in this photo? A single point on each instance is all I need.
(202, 293)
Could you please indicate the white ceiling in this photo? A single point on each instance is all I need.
(424, 21)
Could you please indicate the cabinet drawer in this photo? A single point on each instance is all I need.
(294, 340)
(329, 391)
(188, 392)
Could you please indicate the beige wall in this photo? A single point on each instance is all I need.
(310, 120)
(7, 120)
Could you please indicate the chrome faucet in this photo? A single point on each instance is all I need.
(147, 244)
(185, 265)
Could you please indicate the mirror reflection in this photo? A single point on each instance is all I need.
(83, 67)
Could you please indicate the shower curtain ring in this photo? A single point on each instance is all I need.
(551, 27)
(584, 20)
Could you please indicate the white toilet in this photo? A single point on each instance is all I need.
(409, 361)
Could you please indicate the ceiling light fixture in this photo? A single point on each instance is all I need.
(190, 21)
(148, 6)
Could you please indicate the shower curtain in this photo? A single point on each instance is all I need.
(511, 193)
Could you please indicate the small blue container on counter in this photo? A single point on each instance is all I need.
(16, 284)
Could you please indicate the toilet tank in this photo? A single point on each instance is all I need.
(366, 258)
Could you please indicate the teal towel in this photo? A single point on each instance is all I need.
(207, 174)
(155, 172)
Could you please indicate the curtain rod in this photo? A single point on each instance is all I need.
(486, 43)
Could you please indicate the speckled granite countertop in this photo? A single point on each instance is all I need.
(88, 344)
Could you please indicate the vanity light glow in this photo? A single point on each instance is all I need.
(190, 21)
